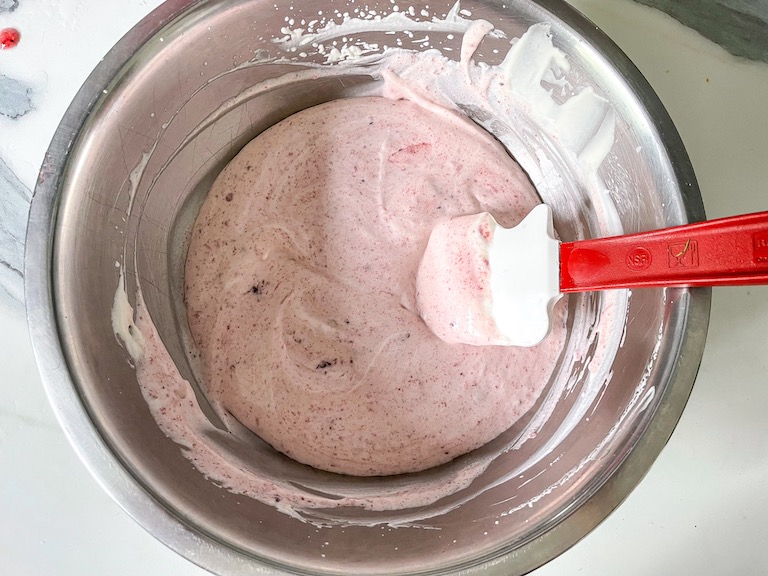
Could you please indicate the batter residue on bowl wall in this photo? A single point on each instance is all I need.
(302, 303)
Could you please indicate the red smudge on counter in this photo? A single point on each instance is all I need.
(9, 38)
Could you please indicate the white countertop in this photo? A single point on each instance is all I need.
(703, 507)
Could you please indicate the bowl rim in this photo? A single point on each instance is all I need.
(208, 553)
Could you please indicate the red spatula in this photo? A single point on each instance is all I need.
(482, 284)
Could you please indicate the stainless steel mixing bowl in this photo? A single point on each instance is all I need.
(146, 106)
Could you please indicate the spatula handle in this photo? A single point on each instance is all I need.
(725, 252)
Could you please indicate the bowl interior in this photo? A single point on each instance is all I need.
(194, 94)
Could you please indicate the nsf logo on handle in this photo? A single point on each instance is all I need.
(638, 259)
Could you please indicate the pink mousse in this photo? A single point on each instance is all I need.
(301, 289)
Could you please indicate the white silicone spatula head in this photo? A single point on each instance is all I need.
(482, 284)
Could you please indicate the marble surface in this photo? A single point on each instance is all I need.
(739, 26)
(701, 509)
